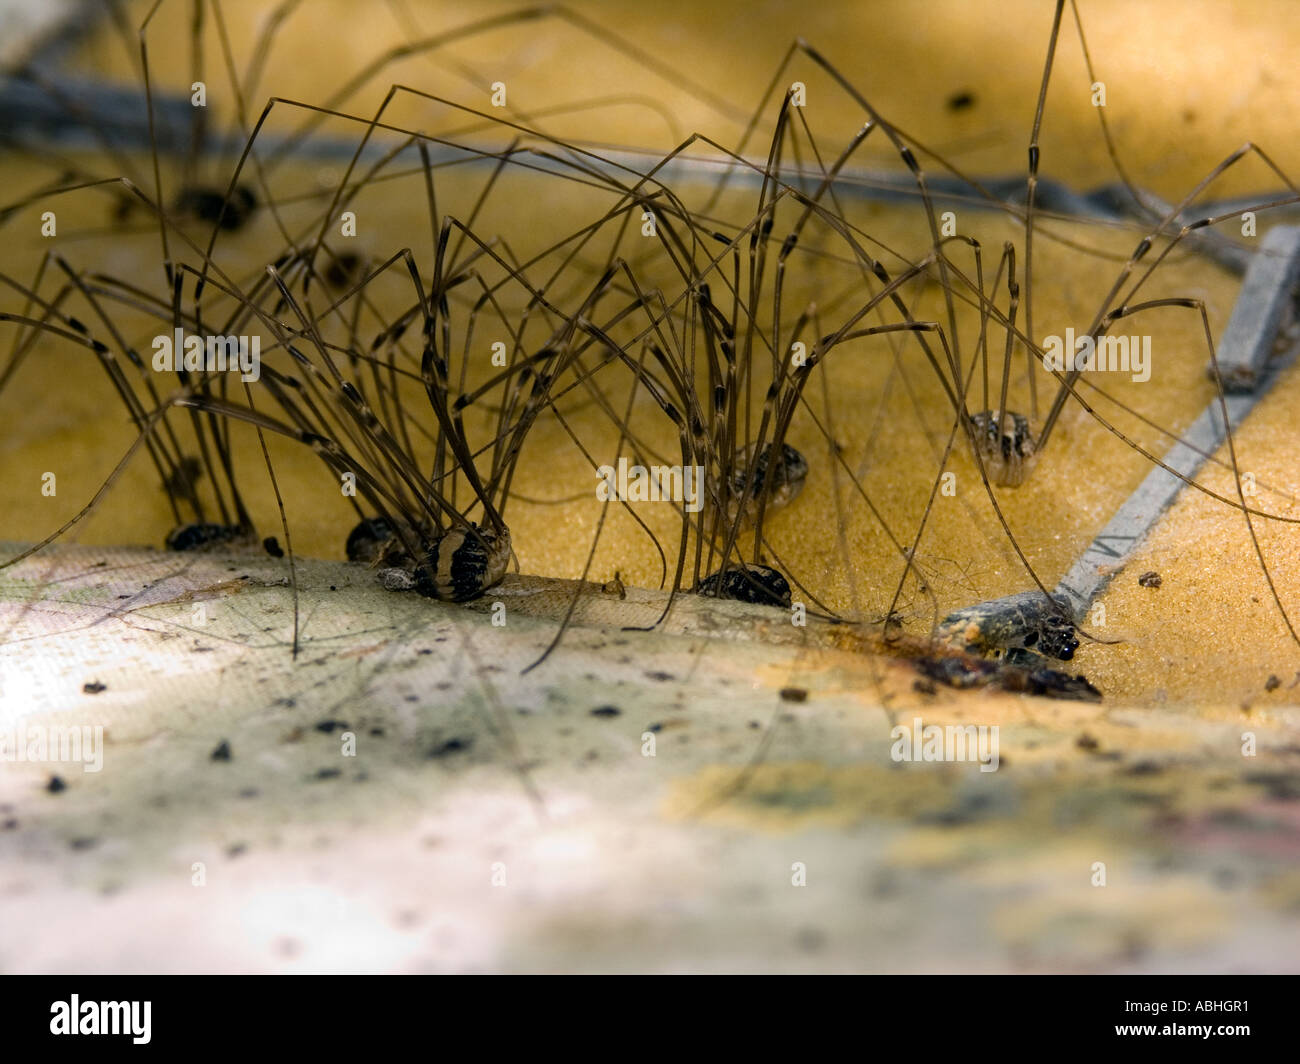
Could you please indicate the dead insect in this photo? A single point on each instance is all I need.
(1010, 626)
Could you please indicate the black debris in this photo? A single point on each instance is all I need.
(201, 536)
(958, 671)
(1280, 786)
(1053, 684)
(451, 746)
(344, 267)
(967, 671)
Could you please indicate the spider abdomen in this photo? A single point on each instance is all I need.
(463, 563)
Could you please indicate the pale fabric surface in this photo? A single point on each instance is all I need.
(683, 861)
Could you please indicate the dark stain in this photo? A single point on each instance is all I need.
(962, 100)
(451, 746)
(968, 810)
(342, 270)
(1281, 786)
(1143, 798)
(1225, 878)
(798, 800)
(222, 752)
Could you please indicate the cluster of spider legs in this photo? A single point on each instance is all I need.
(663, 317)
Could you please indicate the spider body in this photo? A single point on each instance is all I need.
(756, 583)
(463, 563)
